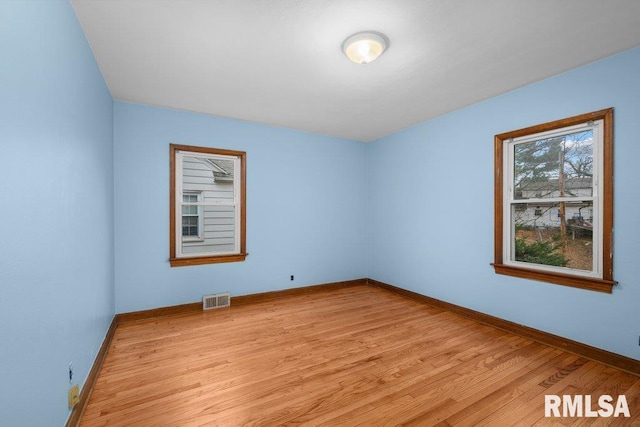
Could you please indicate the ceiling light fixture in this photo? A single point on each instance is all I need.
(365, 46)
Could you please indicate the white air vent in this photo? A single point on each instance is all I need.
(216, 301)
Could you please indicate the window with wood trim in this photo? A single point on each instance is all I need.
(207, 205)
(554, 202)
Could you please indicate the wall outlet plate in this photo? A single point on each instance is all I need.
(74, 396)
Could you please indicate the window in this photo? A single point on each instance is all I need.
(207, 212)
(554, 202)
(191, 217)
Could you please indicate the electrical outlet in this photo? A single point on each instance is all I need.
(292, 277)
(74, 396)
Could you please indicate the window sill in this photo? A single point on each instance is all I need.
(192, 239)
(589, 283)
(182, 262)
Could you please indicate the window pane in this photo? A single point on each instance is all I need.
(218, 234)
(190, 226)
(190, 220)
(561, 166)
(201, 173)
(189, 210)
(189, 231)
(546, 235)
(213, 180)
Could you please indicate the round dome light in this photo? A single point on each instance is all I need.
(364, 47)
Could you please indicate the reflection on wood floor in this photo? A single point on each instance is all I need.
(353, 356)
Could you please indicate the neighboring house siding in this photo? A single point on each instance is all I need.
(549, 217)
(218, 220)
(576, 187)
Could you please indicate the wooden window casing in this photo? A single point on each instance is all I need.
(175, 238)
(605, 282)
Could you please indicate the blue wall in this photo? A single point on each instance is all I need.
(414, 209)
(56, 220)
(306, 208)
(431, 220)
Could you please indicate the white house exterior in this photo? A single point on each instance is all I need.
(207, 228)
(539, 213)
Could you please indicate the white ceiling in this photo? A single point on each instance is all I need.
(280, 62)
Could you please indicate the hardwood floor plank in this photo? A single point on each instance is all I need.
(510, 396)
(349, 356)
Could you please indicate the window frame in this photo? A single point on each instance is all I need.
(175, 238)
(539, 200)
(604, 282)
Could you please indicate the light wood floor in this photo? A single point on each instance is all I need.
(354, 356)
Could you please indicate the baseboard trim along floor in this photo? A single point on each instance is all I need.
(618, 361)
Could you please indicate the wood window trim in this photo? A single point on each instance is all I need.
(208, 259)
(604, 284)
